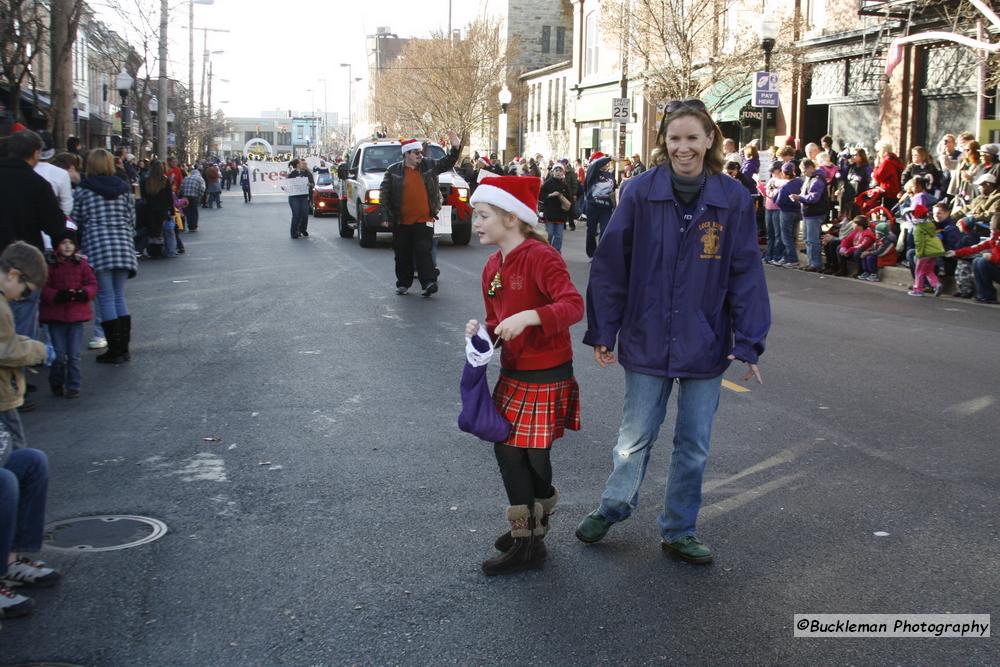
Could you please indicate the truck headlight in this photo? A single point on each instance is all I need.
(374, 196)
(463, 193)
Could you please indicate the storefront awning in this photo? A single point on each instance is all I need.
(725, 98)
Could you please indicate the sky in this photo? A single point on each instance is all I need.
(276, 51)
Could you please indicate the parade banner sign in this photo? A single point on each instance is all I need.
(268, 177)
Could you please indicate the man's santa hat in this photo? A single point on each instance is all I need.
(410, 145)
(515, 194)
(596, 155)
(485, 160)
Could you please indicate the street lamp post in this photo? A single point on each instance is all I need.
(504, 97)
(768, 34)
(350, 103)
(123, 82)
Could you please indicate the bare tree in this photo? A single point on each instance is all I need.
(679, 48)
(65, 18)
(22, 31)
(438, 84)
(140, 19)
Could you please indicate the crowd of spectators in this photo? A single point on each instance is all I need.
(73, 229)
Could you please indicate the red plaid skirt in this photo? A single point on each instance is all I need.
(538, 412)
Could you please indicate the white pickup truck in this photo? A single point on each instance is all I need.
(360, 183)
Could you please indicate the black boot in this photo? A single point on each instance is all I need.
(111, 333)
(125, 325)
(505, 541)
(527, 551)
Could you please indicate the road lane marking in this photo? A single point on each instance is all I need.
(786, 456)
(971, 407)
(732, 386)
(729, 504)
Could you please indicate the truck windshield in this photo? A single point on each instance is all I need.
(378, 158)
(324, 179)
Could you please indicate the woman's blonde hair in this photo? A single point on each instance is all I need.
(714, 157)
(751, 152)
(528, 231)
(100, 163)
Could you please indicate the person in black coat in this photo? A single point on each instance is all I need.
(28, 207)
(556, 202)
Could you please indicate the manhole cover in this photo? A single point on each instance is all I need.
(109, 532)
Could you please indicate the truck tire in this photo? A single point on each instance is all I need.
(366, 237)
(461, 233)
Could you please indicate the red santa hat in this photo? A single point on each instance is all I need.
(485, 160)
(18, 127)
(514, 194)
(410, 145)
(596, 155)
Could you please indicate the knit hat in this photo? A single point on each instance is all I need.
(882, 229)
(919, 211)
(559, 165)
(788, 168)
(515, 194)
(48, 145)
(410, 145)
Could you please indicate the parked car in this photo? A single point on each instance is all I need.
(360, 190)
(325, 196)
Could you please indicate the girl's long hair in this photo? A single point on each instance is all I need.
(714, 158)
(156, 180)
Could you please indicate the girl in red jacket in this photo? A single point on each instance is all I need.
(530, 305)
(64, 308)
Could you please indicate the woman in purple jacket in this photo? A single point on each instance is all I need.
(677, 281)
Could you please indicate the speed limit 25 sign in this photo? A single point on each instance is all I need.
(621, 110)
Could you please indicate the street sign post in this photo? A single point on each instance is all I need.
(621, 110)
(765, 90)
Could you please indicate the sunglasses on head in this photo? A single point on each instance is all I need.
(690, 103)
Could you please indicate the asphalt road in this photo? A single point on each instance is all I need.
(342, 517)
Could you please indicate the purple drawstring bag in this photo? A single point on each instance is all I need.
(479, 415)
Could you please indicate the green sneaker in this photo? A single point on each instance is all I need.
(593, 528)
(690, 549)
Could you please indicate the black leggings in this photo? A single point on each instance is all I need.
(527, 473)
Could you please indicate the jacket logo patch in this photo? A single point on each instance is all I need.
(517, 281)
(711, 239)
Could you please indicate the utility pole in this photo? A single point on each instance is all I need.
(626, 9)
(161, 93)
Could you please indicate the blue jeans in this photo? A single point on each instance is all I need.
(111, 293)
(66, 338)
(214, 197)
(645, 408)
(24, 487)
(789, 221)
(555, 232)
(170, 237)
(10, 421)
(814, 249)
(26, 314)
(775, 248)
(598, 218)
(300, 214)
(986, 273)
(98, 329)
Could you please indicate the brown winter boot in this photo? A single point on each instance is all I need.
(527, 551)
(505, 541)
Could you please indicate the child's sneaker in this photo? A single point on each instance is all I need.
(31, 573)
(914, 292)
(863, 276)
(873, 278)
(97, 343)
(13, 605)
